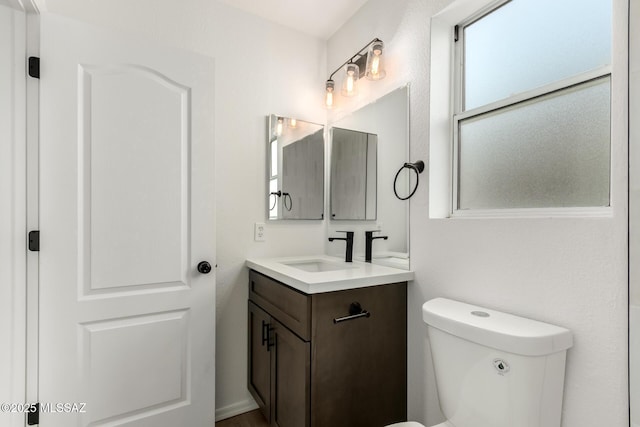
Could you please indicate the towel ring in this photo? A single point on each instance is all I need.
(287, 196)
(276, 194)
(418, 168)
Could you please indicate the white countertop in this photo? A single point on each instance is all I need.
(351, 275)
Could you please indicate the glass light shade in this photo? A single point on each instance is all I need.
(350, 81)
(375, 61)
(293, 123)
(279, 126)
(328, 95)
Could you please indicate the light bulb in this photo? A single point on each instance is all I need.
(375, 61)
(350, 83)
(293, 123)
(279, 126)
(328, 94)
(329, 100)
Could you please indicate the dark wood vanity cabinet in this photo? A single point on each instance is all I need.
(309, 368)
(279, 369)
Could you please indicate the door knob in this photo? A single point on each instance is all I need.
(204, 267)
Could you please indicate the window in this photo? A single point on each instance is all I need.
(531, 106)
(273, 180)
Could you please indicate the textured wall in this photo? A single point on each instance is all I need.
(634, 155)
(567, 271)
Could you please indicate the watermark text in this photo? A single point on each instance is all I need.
(45, 407)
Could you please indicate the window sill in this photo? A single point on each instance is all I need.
(579, 212)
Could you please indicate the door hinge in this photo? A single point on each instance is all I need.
(34, 67)
(33, 416)
(34, 241)
(456, 33)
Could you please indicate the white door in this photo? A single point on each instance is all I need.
(127, 321)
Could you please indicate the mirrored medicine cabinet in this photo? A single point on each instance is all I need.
(368, 147)
(295, 169)
(354, 160)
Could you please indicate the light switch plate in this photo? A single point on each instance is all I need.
(258, 232)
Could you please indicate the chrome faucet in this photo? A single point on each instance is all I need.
(348, 257)
(369, 243)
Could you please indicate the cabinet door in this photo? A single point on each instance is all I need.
(360, 365)
(259, 372)
(290, 373)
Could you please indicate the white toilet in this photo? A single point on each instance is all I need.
(494, 369)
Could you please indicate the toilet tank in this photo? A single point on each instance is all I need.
(495, 369)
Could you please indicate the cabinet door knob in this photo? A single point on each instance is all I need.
(204, 267)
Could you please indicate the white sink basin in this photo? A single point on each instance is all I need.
(318, 265)
(321, 273)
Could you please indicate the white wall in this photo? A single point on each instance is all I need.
(261, 68)
(634, 217)
(634, 155)
(567, 271)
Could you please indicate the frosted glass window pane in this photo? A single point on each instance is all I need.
(273, 199)
(274, 158)
(526, 44)
(553, 151)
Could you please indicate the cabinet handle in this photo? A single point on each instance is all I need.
(266, 335)
(353, 316)
(355, 311)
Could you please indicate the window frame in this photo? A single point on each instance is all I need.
(458, 114)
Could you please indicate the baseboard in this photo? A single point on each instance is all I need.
(235, 409)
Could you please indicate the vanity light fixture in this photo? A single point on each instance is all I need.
(354, 68)
(293, 123)
(279, 126)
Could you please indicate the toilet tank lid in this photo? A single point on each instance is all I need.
(495, 329)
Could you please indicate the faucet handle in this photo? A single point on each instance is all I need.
(349, 240)
(348, 237)
(369, 235)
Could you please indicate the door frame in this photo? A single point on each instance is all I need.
(633, 218)
(23, 204)
(32, 206)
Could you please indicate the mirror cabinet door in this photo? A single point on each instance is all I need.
(353, 175)
(295, 169)
(362, 188)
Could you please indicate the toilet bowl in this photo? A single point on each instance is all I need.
(479, 354)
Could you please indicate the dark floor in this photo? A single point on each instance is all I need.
(249, 419)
